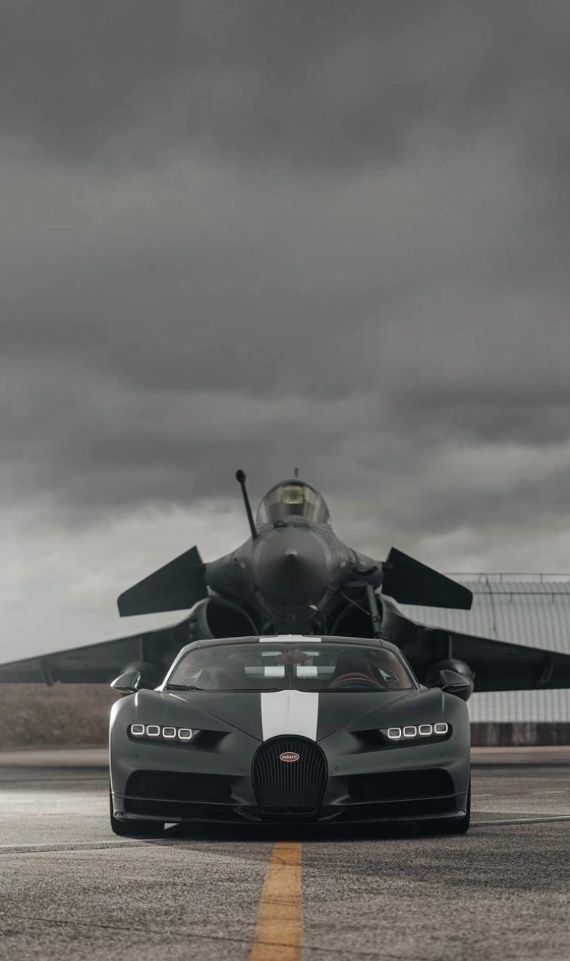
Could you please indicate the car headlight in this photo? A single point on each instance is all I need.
(154, 732)
(415, 732)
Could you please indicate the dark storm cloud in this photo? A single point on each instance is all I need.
(161, 328)
(267, 234)
(323, 84)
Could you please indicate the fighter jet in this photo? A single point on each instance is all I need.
(293, 575)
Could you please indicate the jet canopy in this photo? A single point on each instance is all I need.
(293, 499)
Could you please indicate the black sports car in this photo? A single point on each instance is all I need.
(289, 728)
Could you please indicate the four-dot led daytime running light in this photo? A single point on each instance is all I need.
(162, 733)
(413, 732)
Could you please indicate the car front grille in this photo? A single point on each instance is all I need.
(289, 787)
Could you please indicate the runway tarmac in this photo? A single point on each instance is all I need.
(69, 889)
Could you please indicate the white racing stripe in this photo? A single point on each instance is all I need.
(289, 712)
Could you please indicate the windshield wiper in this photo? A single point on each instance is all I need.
(342, 690)
(238, 690)
(183, 687)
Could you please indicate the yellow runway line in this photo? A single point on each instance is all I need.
(279, 932)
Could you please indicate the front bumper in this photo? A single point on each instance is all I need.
(185, 783)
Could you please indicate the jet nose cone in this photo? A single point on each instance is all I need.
(290, 567)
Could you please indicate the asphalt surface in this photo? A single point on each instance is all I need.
(70, 890)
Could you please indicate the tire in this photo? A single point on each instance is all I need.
(133, 829)
(450, 825)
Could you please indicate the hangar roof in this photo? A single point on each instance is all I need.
(531, 609)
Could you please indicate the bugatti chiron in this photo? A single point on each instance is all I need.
(289, 729)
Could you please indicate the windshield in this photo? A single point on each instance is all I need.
(303, 667)
(290, 499)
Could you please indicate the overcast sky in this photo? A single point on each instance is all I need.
(308, 233)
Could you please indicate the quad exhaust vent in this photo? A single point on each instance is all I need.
(289, 776)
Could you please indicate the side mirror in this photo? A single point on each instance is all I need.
(149, 679)
(451, 682)
(127, 683)
(138, 677)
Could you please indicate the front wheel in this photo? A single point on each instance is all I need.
(133, 829)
